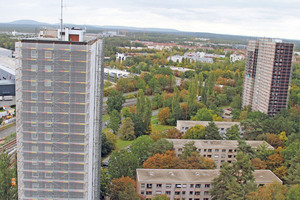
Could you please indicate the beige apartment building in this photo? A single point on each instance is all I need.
(186, 184)
(219, 151)
(184, 125)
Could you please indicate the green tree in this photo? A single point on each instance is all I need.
(153, 84)
(126, 131)
(160, 146)
(115, 101)
(126, 112)
(106, 146)
(233, 133)
(7, 191)
(105, 180)
(212, 132)
(141, 84)
(204, 114)
(157, 101)
(293, 176)
(188, 149)
(192, 98)
(123, 163)
(115, 121)
(236, 102)
(294, 193)
(196, 132)
(245, 148)
(176, 111)
(140, 148)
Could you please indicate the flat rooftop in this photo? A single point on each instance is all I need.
(8, 64)
(195, 175)
(205, 123)
(217, 143)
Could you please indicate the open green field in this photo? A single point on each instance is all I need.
(160, 127)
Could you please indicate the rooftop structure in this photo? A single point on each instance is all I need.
(267, 75)
(186, 183)
(6, 53)
(219, 151)
(59, 98)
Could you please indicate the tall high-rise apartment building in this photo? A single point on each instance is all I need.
(59, 100)
(267, 75)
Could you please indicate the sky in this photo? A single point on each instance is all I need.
(263, 18)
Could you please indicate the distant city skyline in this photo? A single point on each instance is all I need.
(269, 18)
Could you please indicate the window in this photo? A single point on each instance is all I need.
(183, 192)
(34, 136)
(48, 136)
(229, 156)
(168, 192)
(216, 161)
(34, 96)
(34, 53)
(48, 54)
(223, 150)
(33, 83)
(48, 162)
(198, 185)
(191, 185)
(191, 192)
(223, 156)
(48, 109)
(206, 193)
(216, 155)
(158, 185)
(149, 185)
(34, 124)
(197, 193)
(158, 192)
(48, 124)
(143, 185)
(199, 150)
(35, 185)
(48, 148)
(48, 185)
(148, 192)
(48, 68)
(207, 185)
(34, 108)
(142, 192)
(35, 174)
(177, 193)
(48, 175)
(47, 83)
(34, 148)
(230, 151)
(168, 185)
(47, 96)
(184, 185)
(209, 150)
(216, 150)
(34, 68)
(178, 185)
(179, 149)
(206, 199)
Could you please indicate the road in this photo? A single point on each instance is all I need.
(8, 131)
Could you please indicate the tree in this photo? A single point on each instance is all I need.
(141, 84)
(174, 133)
(273, 191)
(196, 161)
(115, 101)
(161, 197)
(105, 180)
(147, 115)
(235, 180)
(157, 135)
(164, 115)
(122, 163)
(157, 101)
(192, 98)
(140, 148)
(167, 160)
(196, 132)
(153, 84)
(274, 140)
(115, 121)
(294, 193)
(7, 191)
(160, 146)
(212, 132)
(123, 188)
(293, 173)
(188, 149)
(106, 146)
(204, 114)
(233, 133)
(176, 112)
(144, 110)
(125, 112)
(236, 102)
(258, 163)
(139, 126)
(126, 131)
(245, 148)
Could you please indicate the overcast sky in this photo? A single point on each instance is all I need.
(265, 18)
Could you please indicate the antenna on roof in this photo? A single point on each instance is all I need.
(61, 19)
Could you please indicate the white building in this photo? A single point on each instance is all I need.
(6, 52)
(235, 57)
(59, 99)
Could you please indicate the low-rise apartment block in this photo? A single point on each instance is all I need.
(184, 125)
(219, 151)
(186, 184)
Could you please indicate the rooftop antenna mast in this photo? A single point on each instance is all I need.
(61, 19)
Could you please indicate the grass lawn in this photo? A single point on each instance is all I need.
(160, 127)
(105, 118)
(122, 144)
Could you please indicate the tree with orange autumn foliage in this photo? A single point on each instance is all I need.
(274, 140)
(164, 115)
(174, 133)
(273, 191)
(123, 188)
(167, 160)
(258, 163)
